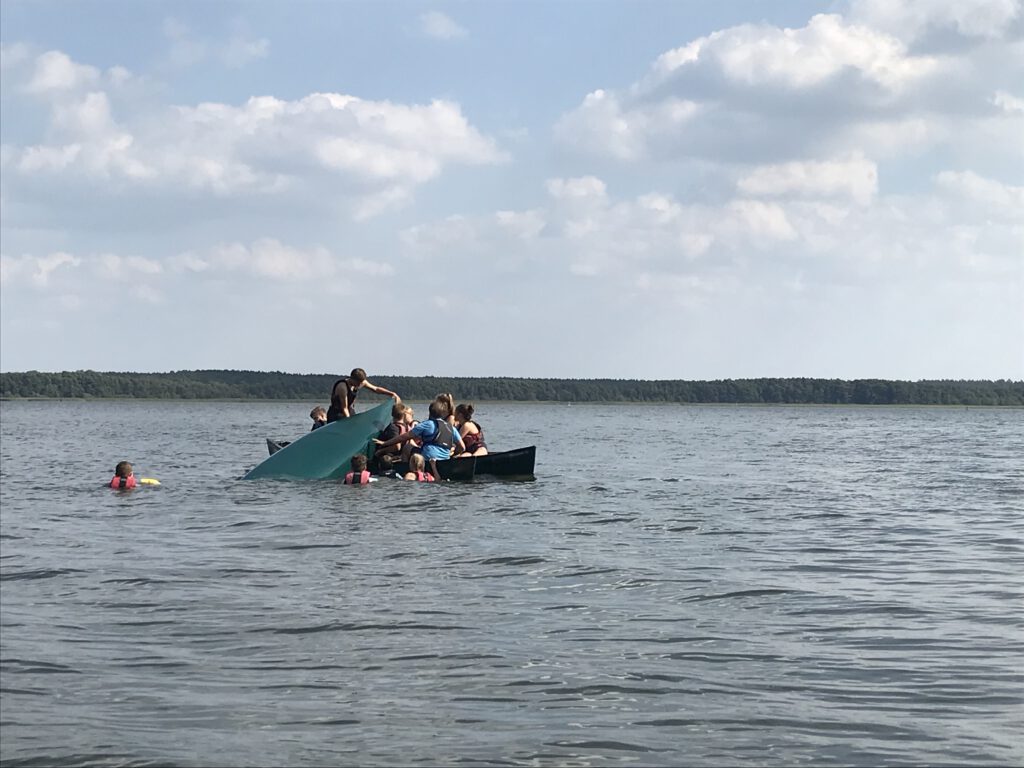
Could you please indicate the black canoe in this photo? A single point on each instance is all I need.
(516, 464)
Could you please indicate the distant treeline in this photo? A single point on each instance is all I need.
(314, 388)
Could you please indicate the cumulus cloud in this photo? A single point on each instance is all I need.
(373, 153)
(855, 177)
(911, 19)
(440, 27)
(55, 71)
(837, 85)
(792, 242)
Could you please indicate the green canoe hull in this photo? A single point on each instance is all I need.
(326, 452)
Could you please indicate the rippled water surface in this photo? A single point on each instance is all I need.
(680, 586)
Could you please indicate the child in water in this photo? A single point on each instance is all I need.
(319, 417)
(359, 475)
(416, 469)
(123, 477)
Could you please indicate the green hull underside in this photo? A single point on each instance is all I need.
(326, 452)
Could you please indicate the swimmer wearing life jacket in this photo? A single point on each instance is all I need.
(124, 478)
(359, 475)
(416, 470)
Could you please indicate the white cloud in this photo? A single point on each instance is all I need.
(55, 72)
(998, 198)
(187, 50)
(1008, 102)
(440, 27)
(855, 177)
(765, 94)
(371, 153)
(239, 51)
(910, 19)
(37, 269)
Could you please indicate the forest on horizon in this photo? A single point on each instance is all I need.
(314, 388)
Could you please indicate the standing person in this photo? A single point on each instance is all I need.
(437, 435)
(472, 433)
(344, 391)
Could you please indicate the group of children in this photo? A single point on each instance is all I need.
(449, 432)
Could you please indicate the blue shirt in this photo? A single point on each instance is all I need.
(425, 431)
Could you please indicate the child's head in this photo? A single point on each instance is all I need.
(358, 375)
(416, 463)
(464, 412)
(439, 409)
(449, 402)
(410, 417)
(123, 469)
(359, 462)
(318, 414)
(397, 412)
(385, 463)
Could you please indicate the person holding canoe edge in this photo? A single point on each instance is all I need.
(398, 426)
(344, 391)
(437, 435)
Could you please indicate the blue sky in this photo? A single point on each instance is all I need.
(573, 189)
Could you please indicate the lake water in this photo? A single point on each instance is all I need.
(682, 585)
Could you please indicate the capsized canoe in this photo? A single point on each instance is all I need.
(516, 464)
(326, 452)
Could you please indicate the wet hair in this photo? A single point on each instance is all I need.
(359, 462)
(358, 374)
(123, 469)
(398, 411)
(318, 411)
(385, 463)
(416, 463)
(439, 409)
(465, 410)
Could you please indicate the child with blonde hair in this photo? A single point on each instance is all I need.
(416, 470)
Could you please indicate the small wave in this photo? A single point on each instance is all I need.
(621, 746)
(739, 593)
(40, 573)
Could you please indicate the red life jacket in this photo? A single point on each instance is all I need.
(123, 482)
(424, 477)
(363, 479)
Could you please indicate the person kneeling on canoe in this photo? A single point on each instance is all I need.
(358, 475)
(344, 391)
(437, 435)
(416, 467)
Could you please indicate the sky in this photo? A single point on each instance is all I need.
(651, 190)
